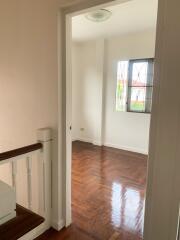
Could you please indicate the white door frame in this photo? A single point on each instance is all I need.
(154, 153)
(66, 17)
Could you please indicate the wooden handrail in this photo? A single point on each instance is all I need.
(20, 151)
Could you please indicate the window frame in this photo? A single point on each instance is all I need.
(148, 86)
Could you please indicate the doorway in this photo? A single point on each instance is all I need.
(100, 138)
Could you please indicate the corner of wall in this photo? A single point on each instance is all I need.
(58, 225)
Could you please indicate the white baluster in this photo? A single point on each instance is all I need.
(44, 136)
(14, 175)
(29, 181)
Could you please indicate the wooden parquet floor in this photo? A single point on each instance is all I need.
(108, 188)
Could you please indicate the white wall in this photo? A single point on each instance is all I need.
(87, 92)
(120, 129)
(83, 85)
(28, 79)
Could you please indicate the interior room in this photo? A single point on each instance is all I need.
(89, 123)
(112, 81)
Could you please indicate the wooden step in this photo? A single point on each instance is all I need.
(24, 222)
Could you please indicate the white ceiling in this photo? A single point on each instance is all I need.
(130, 17)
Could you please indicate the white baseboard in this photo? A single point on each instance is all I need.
(41, 229)
(97, 143)
(88, 140)
(58, 225)
(36, 232)
(8, 217)
(131, 149)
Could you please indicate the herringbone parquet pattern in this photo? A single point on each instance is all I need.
(108, 187)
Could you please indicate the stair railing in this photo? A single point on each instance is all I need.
(43, 150)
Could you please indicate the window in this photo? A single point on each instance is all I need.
(121, 91)
(134, 85)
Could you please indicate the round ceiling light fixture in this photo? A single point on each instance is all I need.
(100, 15)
